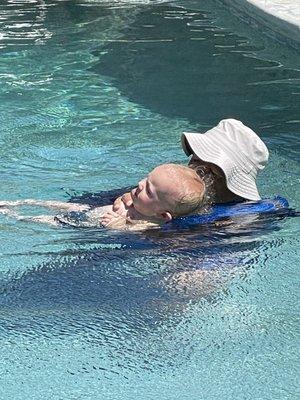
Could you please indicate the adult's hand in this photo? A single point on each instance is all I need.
(125, 199)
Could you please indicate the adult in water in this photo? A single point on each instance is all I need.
(228, 158)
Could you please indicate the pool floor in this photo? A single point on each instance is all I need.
(93, 96)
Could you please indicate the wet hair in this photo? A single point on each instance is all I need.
(215, 182)
(209, 178)
(191, 190)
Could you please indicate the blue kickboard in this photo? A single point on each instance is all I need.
(229, 210)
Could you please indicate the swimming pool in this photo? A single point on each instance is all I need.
(93, 95)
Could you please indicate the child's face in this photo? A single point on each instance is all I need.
(154, 193)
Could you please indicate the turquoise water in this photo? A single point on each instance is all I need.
(93, 96)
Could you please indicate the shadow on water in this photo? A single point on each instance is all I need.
(148, 279)
(183, 63)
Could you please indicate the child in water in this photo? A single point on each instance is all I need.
(169, 191)
(228, 158)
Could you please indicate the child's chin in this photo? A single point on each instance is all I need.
(140, 210)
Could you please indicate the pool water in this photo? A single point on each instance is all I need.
(93, 96)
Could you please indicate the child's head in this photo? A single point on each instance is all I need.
(169, 191)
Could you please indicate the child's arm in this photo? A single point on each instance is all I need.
(51, 204)
(43, 219)
(113, 220)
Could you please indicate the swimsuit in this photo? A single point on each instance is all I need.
(73, 218)
(90, 218)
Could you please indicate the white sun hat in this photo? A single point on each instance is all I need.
(236, 149)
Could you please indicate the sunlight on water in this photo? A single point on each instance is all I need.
(93, 96)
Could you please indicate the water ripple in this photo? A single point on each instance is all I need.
(88, 90)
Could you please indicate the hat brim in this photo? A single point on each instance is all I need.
(238, 181)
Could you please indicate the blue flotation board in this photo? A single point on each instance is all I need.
(219, 212)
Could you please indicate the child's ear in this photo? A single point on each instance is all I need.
(166, 216)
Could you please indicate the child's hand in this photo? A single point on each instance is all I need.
(119, 207)
(113, 220)
(124, 200)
